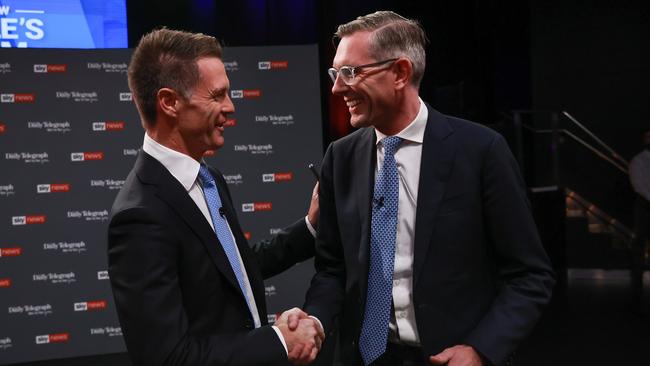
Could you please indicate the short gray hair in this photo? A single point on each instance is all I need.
(393, 36)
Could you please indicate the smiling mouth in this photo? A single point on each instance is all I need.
(352, 103)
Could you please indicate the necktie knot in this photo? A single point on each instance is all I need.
(205, 176)
(390, 144)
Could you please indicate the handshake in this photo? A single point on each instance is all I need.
(303, 335)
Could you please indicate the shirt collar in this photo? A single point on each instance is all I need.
(181, 166)
(414, 132)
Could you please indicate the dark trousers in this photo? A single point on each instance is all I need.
(401, 355)
(642, 233)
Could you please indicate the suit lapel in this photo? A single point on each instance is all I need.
(151, 171)
(438, 152)
(364, 170)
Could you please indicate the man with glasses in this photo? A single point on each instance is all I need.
(426, 251)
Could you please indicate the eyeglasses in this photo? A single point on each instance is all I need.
(348, 73)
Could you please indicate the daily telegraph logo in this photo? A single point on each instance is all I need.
(110, 184)
(130, 152)
(53, 338)
(233, 179)
(270, 291)
(110, 331)
(55, 278)
(31, 310)
(108, 67)
(276, 120)
(28, 220)
(7, 190)
(5, 343)
(273, 65)
(11, 252)
(277, 177)
(108, 126)
(86, 156)
(90, 305)
(49, 126)
(17, 98)
(245, 94)
(29, 158)
(126, 97)
(79, 97)
(231, 65)
(65, 247)
(5, 68)
(89, 215)
(102, 275)
(50, 68)
(256, 206)
(255, 149)
(53, 188)
(5, 282)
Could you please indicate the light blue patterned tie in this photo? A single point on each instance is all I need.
(221, 226)
(374, 331)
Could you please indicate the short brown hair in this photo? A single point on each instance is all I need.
(393, 36)
(166, 58)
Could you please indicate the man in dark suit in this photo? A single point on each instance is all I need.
(187, 286)
(426, 249)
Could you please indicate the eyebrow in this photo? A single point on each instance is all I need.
(218, 91)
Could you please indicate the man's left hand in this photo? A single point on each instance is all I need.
(460, 355)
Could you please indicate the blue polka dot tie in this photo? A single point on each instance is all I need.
(374, 331)
(221, 226)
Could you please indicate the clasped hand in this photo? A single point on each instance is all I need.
(303, 335)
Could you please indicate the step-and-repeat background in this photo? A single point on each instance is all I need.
(69, 135)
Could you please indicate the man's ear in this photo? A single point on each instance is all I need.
(403, 71)
(168, 101)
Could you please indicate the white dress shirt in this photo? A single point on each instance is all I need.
(186, 170)
(408, 156)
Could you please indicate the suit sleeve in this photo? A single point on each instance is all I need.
(525, 275)
(324, 298)
(143, 266)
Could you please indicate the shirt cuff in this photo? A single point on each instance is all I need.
(309, 227)
(318, 321)
(279, 333)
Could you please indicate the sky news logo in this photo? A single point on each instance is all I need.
(50, 68)
(126, 97)
(109, 126)
(90, 305)
(256, 206)
(86, 156)
(247, 235)
(277, 177)
(53, 188)
(245, 94)
(11, 252)
(273, 65)
(18, 98)
(3, 128)
(28, 220)
(102, 275)
(53, 338)
(5, 282)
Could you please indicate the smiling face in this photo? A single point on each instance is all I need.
(371, 100)
(201, 117)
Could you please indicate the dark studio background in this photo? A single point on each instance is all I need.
(487, 58)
